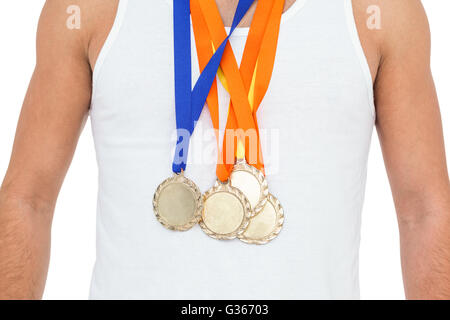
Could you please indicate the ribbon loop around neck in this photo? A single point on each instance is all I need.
(248, 84)
(189, 103)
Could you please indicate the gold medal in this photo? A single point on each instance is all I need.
(266, 226)
(252, 183)
(226, 212)
(178, 203)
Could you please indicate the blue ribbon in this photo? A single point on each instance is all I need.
(189, 104)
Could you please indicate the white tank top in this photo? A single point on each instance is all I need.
(316, 120)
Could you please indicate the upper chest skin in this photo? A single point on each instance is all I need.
(101, 26)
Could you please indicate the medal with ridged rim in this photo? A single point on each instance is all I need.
(226, 212)
(267, 225)
(178, 203)
(252, 183)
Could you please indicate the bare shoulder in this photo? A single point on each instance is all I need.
(391, 28)
(76, 27)
(405, 27)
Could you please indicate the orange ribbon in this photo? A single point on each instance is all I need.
(248, 84)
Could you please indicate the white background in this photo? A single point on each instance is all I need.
(73, 245)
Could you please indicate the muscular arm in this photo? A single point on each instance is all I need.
(410, 132)
(52, 117)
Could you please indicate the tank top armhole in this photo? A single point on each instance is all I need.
(109, 42)
(353, 30)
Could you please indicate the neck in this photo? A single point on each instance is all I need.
(227, 8)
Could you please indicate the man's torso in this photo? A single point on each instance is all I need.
(317, 119)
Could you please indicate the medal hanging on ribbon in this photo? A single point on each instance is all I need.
(177, 202)
(223, 216)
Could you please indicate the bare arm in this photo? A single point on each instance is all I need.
(52, 117)
(410, 132)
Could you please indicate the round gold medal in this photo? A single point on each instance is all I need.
(226, 212)
(266, 226)
(252, 183)
(178, 203)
